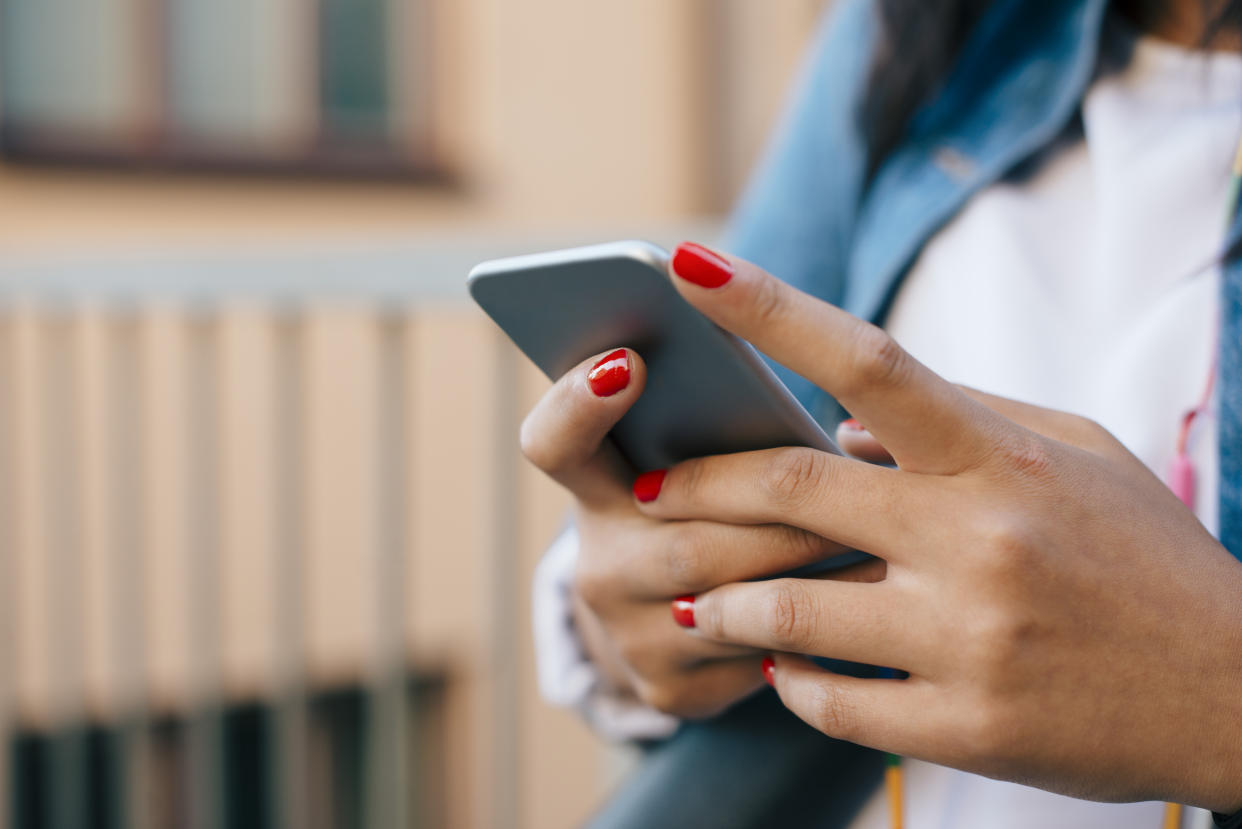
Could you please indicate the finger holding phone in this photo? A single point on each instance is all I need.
(631, 565)
(1064, 620)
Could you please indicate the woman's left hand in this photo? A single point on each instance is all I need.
(1065, 621)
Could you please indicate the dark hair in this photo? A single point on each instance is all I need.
(920, 40)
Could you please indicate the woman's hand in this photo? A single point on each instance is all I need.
(1065, 621)
(631, 565)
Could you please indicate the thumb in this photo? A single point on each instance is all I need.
(564, 435)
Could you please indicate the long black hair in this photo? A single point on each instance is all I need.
(921, 39)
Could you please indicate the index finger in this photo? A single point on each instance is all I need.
(927, 423)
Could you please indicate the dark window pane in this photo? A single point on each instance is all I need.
(28, 781)
(337, 734)
(68, 65)
(104, 780)
(354, 88)
(69, 778)
(246, 763)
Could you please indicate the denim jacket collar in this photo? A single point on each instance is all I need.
(811, 218)
(1017, 85)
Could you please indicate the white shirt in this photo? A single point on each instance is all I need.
(1088, 287)
(1084, 288)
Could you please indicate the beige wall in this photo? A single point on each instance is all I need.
(557, 117)
(553, 113)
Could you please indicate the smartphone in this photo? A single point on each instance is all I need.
(708, 391)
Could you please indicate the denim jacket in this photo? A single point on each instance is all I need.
(811, 217)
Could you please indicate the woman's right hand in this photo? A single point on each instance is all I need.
(630, 566)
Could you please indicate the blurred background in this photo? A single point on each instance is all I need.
(265, 537)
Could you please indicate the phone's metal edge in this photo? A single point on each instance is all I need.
(754, 358)
(636, 249)
(658, 258)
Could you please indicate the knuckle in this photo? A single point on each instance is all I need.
(802, 545)
(768, 302)
(1097, 438)
(688, 478)
(794, 475)
(688, 560)
(654, 695)
(593, 584)
(538, 451)
(999, 638)
(792, 615)
(1003, 556)
(879, 360)
(1093, 431)
(668, 697)
(638, 655)
(1009, 544)
(1028, 455)
(832, 712)
(1084, 431)
(988, 731)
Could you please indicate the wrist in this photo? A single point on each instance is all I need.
(1222, 753)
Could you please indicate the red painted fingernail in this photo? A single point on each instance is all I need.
(683, 611)
(647, 486)
(695, 263)
(611, 374)
(769, 670)
(853, 425)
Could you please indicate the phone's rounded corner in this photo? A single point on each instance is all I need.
(479, 279)
(477, 274)
(648, 253)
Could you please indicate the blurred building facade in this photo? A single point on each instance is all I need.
(265, 541)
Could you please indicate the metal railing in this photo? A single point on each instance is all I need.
(245, 478)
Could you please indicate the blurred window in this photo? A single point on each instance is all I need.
(334, 86)
(79, 776)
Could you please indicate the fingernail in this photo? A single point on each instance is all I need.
(769, 670)
(853, 425)
(647, 485)
(611, 374)
(695, 263)
(683, 611)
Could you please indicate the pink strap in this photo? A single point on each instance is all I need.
(1181, 479)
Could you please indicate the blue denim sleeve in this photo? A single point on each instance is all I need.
(796, 217)
(1229, 420)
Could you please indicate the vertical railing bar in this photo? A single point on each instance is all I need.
(502, 505)
(62, 502)
(388, 764)
(289, 772)
(205, 767)
(8, 553)
(125, 463)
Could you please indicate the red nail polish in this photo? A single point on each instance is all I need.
(647, 486)
(853, 425)
(695, 263)
(611, 374)
(769, 670)
(683, 611)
